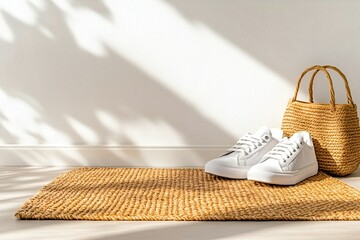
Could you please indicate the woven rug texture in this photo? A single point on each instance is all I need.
(187, 194)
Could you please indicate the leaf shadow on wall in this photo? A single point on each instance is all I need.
(55, 79)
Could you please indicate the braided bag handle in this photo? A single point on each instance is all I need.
(331, 87)
(348, 92)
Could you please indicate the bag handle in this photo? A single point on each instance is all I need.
(318, 68)
(348, 92)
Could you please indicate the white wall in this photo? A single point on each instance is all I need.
(159, 83)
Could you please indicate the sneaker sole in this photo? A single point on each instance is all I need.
(228, 172)
(283, 178)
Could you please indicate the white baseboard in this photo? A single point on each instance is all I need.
(124, 156)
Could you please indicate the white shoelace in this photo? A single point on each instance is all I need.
(284, 150)
(248, 143)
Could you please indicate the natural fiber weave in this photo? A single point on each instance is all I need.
(334, 127)
(187, 194)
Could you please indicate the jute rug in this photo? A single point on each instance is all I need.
(187, 194)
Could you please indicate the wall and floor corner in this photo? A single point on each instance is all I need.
(159, 83)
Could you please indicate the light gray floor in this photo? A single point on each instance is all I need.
(17, 184)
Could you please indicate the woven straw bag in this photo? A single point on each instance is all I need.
(334, 127)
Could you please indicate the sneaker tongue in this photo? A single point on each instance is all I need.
(262, 132)
(296, 136)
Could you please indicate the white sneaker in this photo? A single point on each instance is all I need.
(247, 152)
(291, 161)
